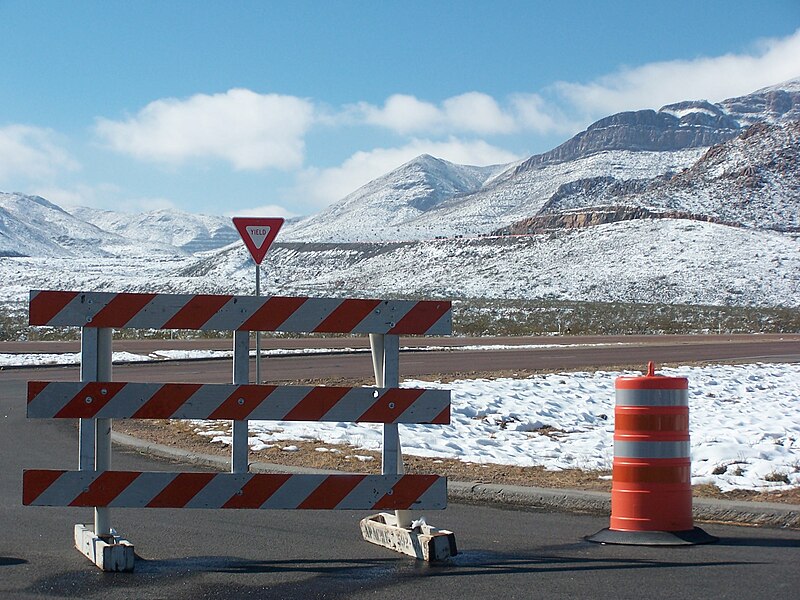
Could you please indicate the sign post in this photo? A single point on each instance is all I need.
(258, 233)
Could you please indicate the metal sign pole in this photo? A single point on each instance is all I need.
(241, 376)
(258, 333)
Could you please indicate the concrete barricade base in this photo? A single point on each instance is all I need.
(422, 542)
(109, 554)
(652, 538)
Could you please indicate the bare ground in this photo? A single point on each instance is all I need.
(181, 434)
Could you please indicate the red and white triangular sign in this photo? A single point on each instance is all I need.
(258, 233)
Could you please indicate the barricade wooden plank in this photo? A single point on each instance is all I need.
(123, 400)
(245, 313)
(134, 489)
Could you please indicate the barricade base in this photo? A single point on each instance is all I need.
(422, 542)
(111, 554)
(652, 538)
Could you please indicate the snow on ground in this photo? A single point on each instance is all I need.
(745, 421)
(745, 424)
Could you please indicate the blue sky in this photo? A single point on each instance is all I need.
(280, 108)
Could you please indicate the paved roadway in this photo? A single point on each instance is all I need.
(314, 554)
(552, 354)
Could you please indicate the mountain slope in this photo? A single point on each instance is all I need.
(32, 226)
(752, 180)
(387, 207)
(643, 261)
(187, 231)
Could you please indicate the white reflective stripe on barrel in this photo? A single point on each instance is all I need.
(652, 397)
(623, 449)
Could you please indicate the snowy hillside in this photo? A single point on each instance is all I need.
(187, 231)
(659, 261)
(32, 226)
(752, 180)
(385, 208)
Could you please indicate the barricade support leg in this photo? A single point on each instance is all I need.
(397, 531)
(99, 543)
(111, 553)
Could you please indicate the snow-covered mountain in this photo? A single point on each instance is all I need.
(727, 232)
(752, 180)
(387, 207)
(630, 146)
(188, 231)
(32, 226)
(644, 261)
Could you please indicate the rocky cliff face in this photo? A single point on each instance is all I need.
(689, 124)
(752, 180)
(599, 216)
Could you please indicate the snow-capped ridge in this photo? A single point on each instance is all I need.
(387, 205)
(33, 226)
(188, 232)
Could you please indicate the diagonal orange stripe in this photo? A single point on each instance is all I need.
(331, 491)
(258, 490)
(316, 404)
(121, 309)
(46, 305)
(178, 492)
(89, 400)
(391, 405)
(406, 491)
(197, 312)
(35, 388)
(443, 418)
(243, 401)
(346, 316)
(105, 488)
(272, 314)
(35, 482)
(168, 399)
(421, 318)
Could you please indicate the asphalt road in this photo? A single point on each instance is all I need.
(314, 554)
(538, 354)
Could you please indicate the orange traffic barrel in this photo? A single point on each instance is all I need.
(651, 490)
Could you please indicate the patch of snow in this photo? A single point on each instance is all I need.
(744, 424)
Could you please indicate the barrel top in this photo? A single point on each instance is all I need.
(651, 381)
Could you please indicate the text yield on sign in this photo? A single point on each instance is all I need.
(258, 233)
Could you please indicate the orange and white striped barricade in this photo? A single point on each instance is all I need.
(651, 492)
(96, 400)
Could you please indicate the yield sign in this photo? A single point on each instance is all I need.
(258, 234)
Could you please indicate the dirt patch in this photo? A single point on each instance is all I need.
(321, 455)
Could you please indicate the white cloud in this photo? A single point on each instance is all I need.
(403, 114)
(533, 113)
(478, 113)
(250, 131)
(472, 112)
(712, 78)
(31, 152)
(321, 187)
(567, 107)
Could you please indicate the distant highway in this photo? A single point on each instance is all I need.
(502, 354)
